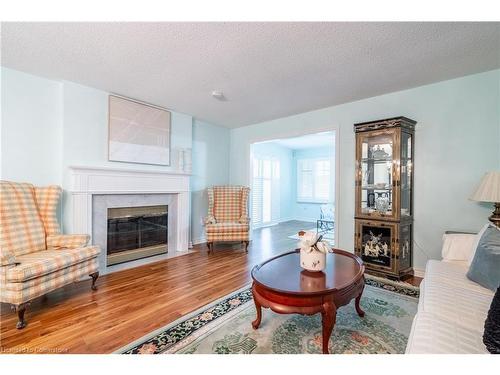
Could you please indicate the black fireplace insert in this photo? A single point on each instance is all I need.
(136, 232)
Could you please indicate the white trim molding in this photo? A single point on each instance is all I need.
(85, 182)
(419, 272)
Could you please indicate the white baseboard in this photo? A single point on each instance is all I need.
(197, 241)
(306, 219)
(419, 272)
(285, 219)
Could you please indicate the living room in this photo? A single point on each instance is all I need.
(250, 188)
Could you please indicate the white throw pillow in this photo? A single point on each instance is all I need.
(476, 242)
(458, 246)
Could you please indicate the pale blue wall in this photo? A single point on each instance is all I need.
(31, 128)
(210, 167)
(285, 157)
(457, 141)
(311, 211)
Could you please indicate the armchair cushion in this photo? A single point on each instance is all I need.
(7, 257)
(227, 227)
(67, 241)
(41, 263)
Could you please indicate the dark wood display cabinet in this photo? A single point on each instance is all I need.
(384, 196)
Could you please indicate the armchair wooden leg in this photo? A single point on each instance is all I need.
(246, 245)
(21, 309)
(94, 277)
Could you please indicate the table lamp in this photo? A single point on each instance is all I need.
(489, 191)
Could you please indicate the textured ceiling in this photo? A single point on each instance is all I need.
(266, 70)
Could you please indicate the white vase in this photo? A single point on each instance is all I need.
(313, 261)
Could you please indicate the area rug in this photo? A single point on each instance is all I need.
(224, 327)
(329, 236)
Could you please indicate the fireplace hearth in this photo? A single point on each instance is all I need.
(136, 233)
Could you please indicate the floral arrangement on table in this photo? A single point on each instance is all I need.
(313, 251)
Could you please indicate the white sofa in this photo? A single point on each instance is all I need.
(451, 309)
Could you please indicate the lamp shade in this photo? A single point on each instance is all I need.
(488, 189)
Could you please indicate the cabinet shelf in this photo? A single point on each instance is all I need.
(376, 161)
(366, 187)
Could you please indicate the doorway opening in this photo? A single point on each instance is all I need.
(293, 185)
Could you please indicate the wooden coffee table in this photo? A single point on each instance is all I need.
(283, 286)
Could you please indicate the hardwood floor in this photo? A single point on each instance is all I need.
(132, 303)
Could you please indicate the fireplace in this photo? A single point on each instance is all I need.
(136, 232)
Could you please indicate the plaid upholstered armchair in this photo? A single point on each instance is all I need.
(227, 218)
(35, 257)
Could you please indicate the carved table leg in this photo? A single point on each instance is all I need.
(21, 309)
(360, 312)
(258, 308)
(94, 277)
(246, 245)
(328, 317)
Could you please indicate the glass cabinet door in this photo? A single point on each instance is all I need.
(376, 195)
(406, 174)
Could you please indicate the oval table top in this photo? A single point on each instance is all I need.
(284, 274)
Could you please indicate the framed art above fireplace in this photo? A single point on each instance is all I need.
(138, 132)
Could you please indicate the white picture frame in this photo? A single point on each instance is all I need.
(138, 132)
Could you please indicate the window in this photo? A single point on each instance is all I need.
(313, 180)
(265, 191)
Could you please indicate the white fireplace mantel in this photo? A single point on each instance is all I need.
(84, 182)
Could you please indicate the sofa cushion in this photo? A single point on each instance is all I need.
(452, 273)
(432, 335)
(485, 267)
(476, 242)
(458, 305)
(41, 263)
(22, 229)
(458, 246)
(227, 228)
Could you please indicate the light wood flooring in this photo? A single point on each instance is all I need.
(131, 303)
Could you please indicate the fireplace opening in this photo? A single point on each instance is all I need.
(136, 233)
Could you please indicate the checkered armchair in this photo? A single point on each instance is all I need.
(35, 257)
(227, 218)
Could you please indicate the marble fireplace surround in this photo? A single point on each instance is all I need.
(92, 190)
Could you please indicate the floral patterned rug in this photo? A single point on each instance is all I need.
(224, 327)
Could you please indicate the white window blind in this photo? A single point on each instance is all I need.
(313, 180)
(265, 191)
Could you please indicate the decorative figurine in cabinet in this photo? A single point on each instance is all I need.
(384, 196)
